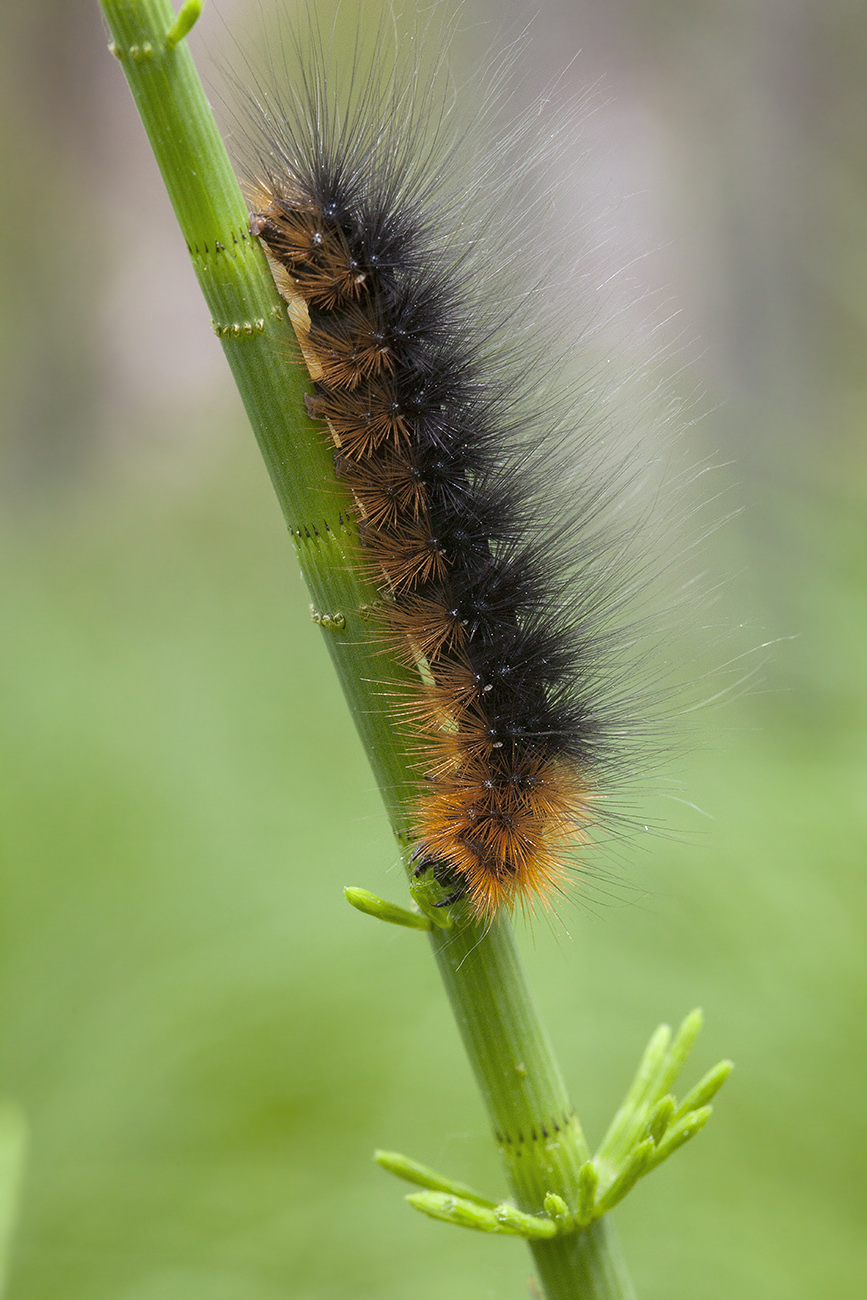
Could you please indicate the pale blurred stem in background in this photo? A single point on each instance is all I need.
(13, 1143)
(543, 1146)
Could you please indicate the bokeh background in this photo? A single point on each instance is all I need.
(208, 1043)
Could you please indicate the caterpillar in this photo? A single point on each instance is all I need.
(485, 513)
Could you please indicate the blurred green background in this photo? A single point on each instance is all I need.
(207, 1041)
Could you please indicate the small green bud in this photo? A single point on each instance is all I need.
(652, 1061)
(402, 1167)
(368, 903)
(660, 1118)
(504, 1219)
(556, 1206)
(454, 1209)
(184, 23)
(683, 1044)
(629, 1175)
(519, 1224)
(588, 1181)
(706, 1088)
(628, 1122)
(680, 1133)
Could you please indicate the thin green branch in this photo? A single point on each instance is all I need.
(422, 1176)
(372, 905)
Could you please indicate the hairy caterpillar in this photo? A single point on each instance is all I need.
(484, 509)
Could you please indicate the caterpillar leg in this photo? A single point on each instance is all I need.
(444, 874)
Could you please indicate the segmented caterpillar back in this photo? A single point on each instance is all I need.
(436, 434)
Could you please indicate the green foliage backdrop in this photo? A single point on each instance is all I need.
(207, 1041)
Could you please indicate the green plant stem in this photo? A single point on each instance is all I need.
(249, 318)
(538, 1133)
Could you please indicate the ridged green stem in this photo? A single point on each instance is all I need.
(249, 318)
(535, 1125)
